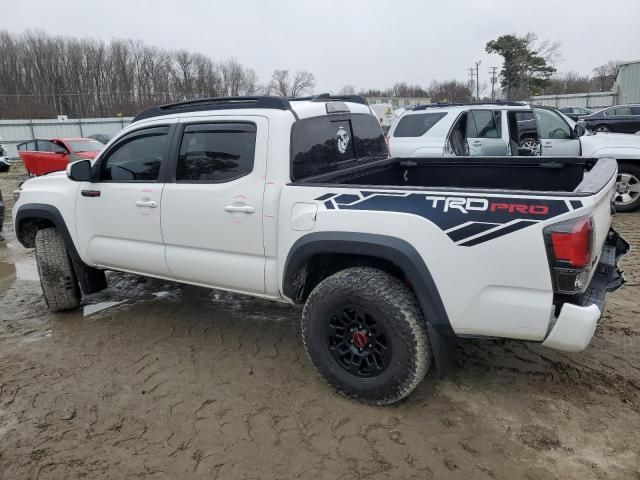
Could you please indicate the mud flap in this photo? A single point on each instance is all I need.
(444, 351)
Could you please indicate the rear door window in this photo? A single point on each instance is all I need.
(328, 143)
(416, 125)
(217, 152)
(485, 124)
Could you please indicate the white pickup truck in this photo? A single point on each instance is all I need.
(296, 200)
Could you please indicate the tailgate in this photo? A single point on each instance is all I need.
(600, 182)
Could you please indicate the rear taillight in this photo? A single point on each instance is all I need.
(570, 252)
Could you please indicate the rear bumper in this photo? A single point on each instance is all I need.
(576, 323)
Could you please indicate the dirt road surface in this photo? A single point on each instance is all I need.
(179, 382)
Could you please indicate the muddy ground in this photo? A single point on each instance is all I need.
(183, 382)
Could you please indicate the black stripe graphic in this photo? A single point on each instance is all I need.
(514, 227)
(470, 230)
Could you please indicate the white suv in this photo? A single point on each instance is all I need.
(514, 129)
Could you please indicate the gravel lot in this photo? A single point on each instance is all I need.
(184, 382)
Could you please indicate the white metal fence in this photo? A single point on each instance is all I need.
(13, 132)
(589, 100)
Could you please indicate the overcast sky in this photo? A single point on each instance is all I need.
(369, 43)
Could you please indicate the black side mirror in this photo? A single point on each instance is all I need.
(79, 171)
(579, 130)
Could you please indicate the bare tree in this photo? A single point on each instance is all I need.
(605, 75)
(348, 90)
(301, 83)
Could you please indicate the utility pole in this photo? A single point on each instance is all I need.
(471, 80)
(478, 80)
(492, 71)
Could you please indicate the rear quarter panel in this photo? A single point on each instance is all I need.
(498, 287)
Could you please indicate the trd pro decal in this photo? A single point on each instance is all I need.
(467, 221)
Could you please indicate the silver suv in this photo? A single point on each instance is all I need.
(514, 129)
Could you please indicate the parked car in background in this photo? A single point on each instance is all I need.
(4, 162)
(101, 137)
(514, 129)
(575, 112)
(45, 156)
(618, 119)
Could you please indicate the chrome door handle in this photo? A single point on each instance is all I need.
(146, 203)
(477, 144)
(239, 208)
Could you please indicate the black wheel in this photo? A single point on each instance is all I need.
(602, 129)
(364, 332)
(57, 278)
(627, 196)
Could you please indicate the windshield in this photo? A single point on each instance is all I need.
(79, 146)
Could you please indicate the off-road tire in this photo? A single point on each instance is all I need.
(57, 278)
(395, 307)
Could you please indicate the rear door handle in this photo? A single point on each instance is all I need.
(146, 203)
(239, 208)
(477, 144)
(90, 193)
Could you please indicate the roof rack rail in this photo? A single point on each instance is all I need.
(446, 104)
(215, 103)
(327, 97)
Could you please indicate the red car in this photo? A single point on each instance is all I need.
(45, 156)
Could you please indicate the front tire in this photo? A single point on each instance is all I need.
(365, 334)
(57, 278)
(602, 129)
(627, 196)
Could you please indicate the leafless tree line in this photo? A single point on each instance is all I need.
(42, 76)
(445, 91)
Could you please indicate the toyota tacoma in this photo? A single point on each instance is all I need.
(297, 200)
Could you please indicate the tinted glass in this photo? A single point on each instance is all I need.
(44, 146)
(137, 158)
(216, 152)
(635, 110)
(85, 145)
(418, 124)
(485, 124)
(622, 111)
(324, 144)
(551, 125)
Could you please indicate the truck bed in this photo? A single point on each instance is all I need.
(559, 175)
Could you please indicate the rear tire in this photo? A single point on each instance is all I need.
(365, 334)
(57, 278)
(627, 196)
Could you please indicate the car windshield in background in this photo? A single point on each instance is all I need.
(418, 124)
(326, 144)
(85, 145)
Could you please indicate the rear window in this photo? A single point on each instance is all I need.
(326, 144)
(418, 124)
